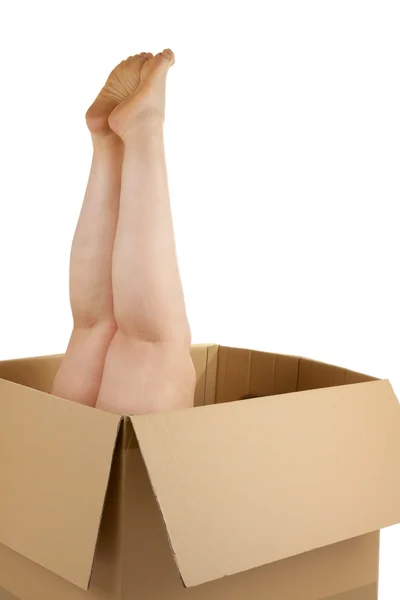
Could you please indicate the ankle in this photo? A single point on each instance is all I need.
(145, 126)
(106, 142)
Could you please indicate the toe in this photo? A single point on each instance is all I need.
(169, 55)
(137, 61)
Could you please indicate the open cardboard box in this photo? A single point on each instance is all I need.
(279, 497)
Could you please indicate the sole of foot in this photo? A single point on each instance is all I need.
(123, 81)
(148, 100)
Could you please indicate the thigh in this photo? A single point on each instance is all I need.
(79, 376)
(142, 377)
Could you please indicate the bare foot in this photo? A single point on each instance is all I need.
(148, 100)
(122, 82)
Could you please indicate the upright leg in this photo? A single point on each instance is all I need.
(94, 325)
(148, 365)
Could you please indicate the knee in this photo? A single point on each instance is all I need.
(87, 322)
(155, 329)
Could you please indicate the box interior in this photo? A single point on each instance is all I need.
(226, 374)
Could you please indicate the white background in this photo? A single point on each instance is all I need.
(283, 149)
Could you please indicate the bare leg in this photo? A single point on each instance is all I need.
(148, 366)
(81, 370)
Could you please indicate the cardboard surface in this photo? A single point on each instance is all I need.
(55, 461)
(133, 557)
(36, 372)
(242, 373)
(249, 483)
(366, 592)
(205, 360)
(150, 572)
(315, 375)
(242, 485)
(4, 595)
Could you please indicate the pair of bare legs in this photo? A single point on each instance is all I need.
(129, 351)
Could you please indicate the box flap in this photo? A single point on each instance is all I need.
(247, 483)
(55, 461)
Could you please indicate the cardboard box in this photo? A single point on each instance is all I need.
(278, 497)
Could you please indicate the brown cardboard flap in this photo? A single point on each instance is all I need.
(248, 483)
(55, 461)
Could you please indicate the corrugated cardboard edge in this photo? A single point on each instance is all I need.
(211, 373)
(204, 358)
